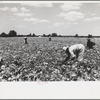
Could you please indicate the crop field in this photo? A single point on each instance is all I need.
(40, 59)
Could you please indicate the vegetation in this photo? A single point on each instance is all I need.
(13, 33)
(40, 60)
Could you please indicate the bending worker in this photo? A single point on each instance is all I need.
(74, 52)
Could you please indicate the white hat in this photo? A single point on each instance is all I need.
(65, 48)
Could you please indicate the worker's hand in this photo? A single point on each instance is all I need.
(73, 58)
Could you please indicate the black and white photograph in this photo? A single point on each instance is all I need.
(44, 41)
(49, 49)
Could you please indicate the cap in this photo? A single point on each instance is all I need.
(64, 48)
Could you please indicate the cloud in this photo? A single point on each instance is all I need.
(36, 20)
(70, 6)
(88, 19)
(44, 21)
(38, 4)
(58, 24)
(4, 8)
(23, 9)
(72, 15)
(96, 18)
(14, 9)
(31, 19)
(92, 19)
(23, 14)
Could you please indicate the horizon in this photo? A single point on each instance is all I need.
(63, 18)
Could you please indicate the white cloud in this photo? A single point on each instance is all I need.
(72, 15)
(31, 19)
(23, 14)
(24, 9)
(36, 20)
(44, 21)
(92, 19)
(88, 19)
(14, 9)
(70, 6)
(96, 18)
(4, 8)
(38, 4)
(58, 24)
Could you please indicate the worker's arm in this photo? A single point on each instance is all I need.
(73, 56)
(68, 56)
(93, 43)
(66, 59)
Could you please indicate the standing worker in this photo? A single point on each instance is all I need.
(74, 51)
(25, 40)
(90, 44)
(49, 38)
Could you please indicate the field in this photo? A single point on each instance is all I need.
(40, 59)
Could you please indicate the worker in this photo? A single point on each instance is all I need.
(25, 40)
(74, 51)
(90, 44)
(49, 38)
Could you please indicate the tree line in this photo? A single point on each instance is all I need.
(13, 33)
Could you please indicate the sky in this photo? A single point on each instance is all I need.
(63, 18)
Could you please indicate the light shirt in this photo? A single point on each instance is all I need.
(74, 48)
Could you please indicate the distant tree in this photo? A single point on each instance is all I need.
(76, 35)
(89, 36)
(49, 35)
(44, 35)
(3, 34)
(59, 36)
(54, 35)
(33, 35)
(29, 35)
(12, 33)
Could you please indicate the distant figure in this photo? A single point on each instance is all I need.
(74, 51)
(25, 40)
(90, 44)
(49, 38)
(1, 61)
